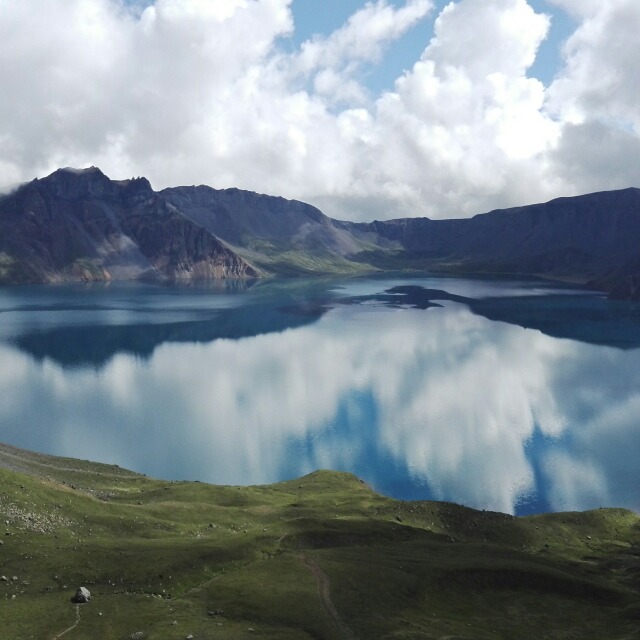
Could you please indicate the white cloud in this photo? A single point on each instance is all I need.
(577, 483)
(193, 91)
(595, 157)
(601, 77)
(465, 125)
(597, 95)
(332, 61)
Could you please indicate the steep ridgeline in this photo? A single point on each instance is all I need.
(593, 237)
(285, 237)
(81, 226)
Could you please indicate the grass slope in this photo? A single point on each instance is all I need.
(285, 259)
(321, 557)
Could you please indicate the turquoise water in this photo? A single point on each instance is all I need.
(512, 395)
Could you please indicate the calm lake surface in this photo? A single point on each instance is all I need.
(512, 395)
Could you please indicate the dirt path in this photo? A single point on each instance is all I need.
(324, 592)
(73, 626)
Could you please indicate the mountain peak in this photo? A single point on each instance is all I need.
(139, 184)
(70, 183)
(76, 171)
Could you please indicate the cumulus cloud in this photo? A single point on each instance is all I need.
(192, 91)
(596, 96)
(465, 124)
(592, 156)
(601, 75)
(332, 62)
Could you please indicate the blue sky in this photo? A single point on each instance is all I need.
(321, 17)
(372, 110)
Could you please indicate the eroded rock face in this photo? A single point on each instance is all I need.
(78, 225)
(82, 226)
(82, 596)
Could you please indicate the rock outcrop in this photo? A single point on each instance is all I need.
(82, 596)
(282, 236)
(82, 226)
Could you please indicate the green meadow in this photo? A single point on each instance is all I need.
(319, 557)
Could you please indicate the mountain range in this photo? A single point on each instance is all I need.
(78, 225)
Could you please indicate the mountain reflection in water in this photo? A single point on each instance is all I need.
(410, 384)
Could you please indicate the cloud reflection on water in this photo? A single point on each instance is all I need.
(456, 406)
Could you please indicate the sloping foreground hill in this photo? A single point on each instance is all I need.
(321, 557)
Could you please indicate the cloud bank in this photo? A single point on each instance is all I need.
(192, 91)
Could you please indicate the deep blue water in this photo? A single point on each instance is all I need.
(512, 395)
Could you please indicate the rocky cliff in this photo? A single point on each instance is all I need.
(282, 236)
(80, 225)
(583, 238)
(592, 239)
(580, 237)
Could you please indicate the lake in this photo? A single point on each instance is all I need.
(513, 395)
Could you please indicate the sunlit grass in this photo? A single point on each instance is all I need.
(234, 562)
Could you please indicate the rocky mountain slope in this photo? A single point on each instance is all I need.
(593, 237)
(282, 236)
(79, 225)
(590, 238)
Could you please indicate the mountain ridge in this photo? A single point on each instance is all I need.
(80, 225)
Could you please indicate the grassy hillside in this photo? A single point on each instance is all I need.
(321, 557)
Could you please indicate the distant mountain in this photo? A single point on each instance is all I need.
(79, 225)
(582, 237)
(589, 239)
(281, 236)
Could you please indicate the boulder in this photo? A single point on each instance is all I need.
(82, 596)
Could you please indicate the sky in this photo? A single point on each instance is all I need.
(368, 110)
